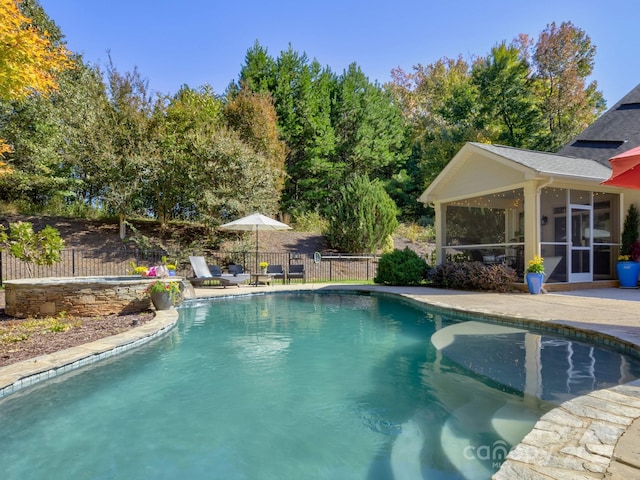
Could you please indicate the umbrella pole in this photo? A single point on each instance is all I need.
(256, 270)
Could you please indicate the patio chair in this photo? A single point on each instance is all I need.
(235, 269)
(277, 272)
(204, 273)
(296, 271)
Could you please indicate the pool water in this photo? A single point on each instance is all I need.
(303, 386)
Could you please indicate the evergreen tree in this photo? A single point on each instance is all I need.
(362, 217)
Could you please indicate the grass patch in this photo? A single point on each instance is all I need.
(14, 331)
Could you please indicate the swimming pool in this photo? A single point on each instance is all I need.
(303, 386)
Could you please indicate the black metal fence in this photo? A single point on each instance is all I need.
(77, 262)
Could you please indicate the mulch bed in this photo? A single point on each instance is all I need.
(22, 339)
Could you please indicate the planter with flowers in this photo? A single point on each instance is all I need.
(535, 275)
(628, 267)
(263, 267)
(164, 294)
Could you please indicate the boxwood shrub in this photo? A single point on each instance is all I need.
(401, 267)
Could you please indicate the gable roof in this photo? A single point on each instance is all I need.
(524, 164)
(550, 164)
(615, 132)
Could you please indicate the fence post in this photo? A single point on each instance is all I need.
(73, 262)
(368, 258)
(1, 273)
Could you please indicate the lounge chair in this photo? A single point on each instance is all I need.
(296, 271)
(277, 272)
(205, 273)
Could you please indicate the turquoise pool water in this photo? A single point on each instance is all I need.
(302, 386)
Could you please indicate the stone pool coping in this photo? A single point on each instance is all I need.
(593, 436)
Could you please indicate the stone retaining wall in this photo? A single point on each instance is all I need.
(79, 296)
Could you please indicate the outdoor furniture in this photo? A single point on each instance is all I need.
(277, 272)
(205, 273)
(258, 278)
(296, 271)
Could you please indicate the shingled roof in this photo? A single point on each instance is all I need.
(615, 132)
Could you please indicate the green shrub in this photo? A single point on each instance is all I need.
(630, 230)
(362, 216)
(401, 267)
(473, 276)
(311, 222)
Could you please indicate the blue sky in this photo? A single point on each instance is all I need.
(193, 42)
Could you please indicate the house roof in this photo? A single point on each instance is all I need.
(615, 132)
(551, 164)
(524, 164)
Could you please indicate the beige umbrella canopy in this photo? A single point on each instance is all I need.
(254, 223)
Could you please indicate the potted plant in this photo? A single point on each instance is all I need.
(263, 267)
(628, 267)
(535, 274)
(163, 294)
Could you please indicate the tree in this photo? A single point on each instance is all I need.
(440, 103)
(170, 184)
(509, 109)
(362, 217)
(253, 117)
(41, 248)
(30, 59)
(369, 127)
(129, 146)
(563, 59)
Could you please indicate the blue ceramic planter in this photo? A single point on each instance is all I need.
(534, 282)
(628, 274)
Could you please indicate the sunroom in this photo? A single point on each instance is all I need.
(503, 205)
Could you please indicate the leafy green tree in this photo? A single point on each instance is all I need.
(126, 154)
(362, 217)
(253, 117)
(563, 59)
(171, 189)
(33, 248)
(509, 109)
(236, 180)
(440, 102)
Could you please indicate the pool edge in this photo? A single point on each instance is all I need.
(28, 372)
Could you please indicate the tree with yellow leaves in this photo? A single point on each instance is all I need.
(29, 62)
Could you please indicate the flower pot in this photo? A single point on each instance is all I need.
(161, 300)
(263, 271)
(534, 282)
(628, 272)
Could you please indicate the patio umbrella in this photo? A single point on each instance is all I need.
(626, 170)
(255, 223)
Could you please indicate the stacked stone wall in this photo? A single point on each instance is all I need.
(45, 297)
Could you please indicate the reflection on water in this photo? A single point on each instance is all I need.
(303, 386)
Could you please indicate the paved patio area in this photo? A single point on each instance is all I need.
(594, 436)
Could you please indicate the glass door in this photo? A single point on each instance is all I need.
(580, 247)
